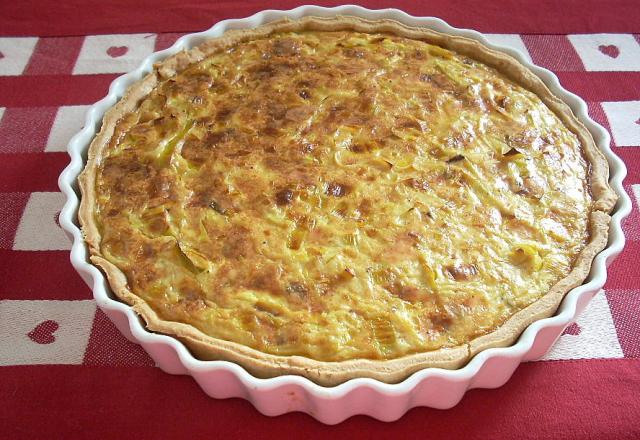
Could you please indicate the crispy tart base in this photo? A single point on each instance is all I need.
(332, 373)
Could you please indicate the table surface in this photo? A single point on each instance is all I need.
(66, 372)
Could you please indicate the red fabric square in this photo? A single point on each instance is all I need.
(54, 55)
(554, 52)
(596, 112)
(164, 41)
(25, 129)
(625, 308)
(602, 86)
(107, 346)
(43, 170)
(23, 276)
(622, 273)
(52, 90)
(11, 207)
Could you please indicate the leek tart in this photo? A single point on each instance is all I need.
(341, 198)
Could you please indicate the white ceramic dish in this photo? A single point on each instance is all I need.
(431, 387)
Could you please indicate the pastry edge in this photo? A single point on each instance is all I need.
(332, 373)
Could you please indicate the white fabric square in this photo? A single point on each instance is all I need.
(1, 113)
(113, 53)
(592, 336)
(45, 332)
(513, 41)
(15, 53)
(69, 120)
(39, 229)
(624, 120)
(607, 52)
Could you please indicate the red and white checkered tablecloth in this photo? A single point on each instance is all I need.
(66, 372)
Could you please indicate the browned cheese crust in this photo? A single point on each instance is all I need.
(339, 198)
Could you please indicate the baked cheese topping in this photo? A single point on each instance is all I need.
(341, 195)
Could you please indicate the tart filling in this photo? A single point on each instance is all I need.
(338, 195)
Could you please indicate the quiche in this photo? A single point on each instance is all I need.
(340, 198)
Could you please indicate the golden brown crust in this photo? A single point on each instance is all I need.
(331, 373)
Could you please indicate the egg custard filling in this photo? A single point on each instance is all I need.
(340, 195)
